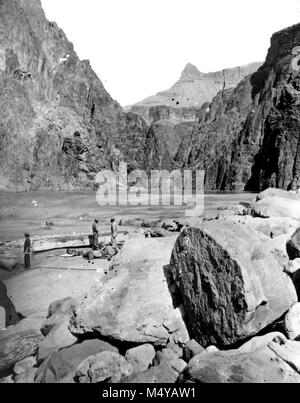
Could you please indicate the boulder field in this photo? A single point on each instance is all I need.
(217, 303)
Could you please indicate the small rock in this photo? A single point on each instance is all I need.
(176, 348)
(166, 355)
(178, 365)
(292, 322)
(212, 349)
(192, 348)
(58, 338)
(141, 358)
(7, 379)
(24, 365)
(63, 364)
(293, 266)
(163, 373)
(27, 376)
(107, 366)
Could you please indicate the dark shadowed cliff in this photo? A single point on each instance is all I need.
(249, 137)
(58, 125)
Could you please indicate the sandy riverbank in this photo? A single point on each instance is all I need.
(56, 277)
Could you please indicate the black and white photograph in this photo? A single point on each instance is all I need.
(149, 194)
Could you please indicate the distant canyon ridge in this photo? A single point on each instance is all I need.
(59, 126)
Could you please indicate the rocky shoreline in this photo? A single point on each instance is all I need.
(216, 302)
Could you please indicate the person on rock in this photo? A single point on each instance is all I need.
(27, 251)
(114, 233)
(95, 235)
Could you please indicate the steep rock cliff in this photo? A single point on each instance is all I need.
(58, 124)
(190, 92)
(268, 149)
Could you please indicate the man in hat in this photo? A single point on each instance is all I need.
(95, 235)
(27, 250)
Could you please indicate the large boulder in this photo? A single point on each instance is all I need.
(230, 282)
(11, 316)
(134, 303)
(107, 366)
(141, 358)
(277, 207)
(268, 359)
(19, 342)
(64, 363)
(191, 349)
(274, 192)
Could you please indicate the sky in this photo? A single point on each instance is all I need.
(140, 47)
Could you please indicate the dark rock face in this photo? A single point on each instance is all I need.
(229, 283)
(207, 143)
(268, 147)
(213, 139)
(248, 137)
(58, 125)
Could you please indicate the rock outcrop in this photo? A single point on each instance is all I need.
(272, 361)
(267, 152)
(133, 303)
(248, 137)
(58, 124)
(230, 280)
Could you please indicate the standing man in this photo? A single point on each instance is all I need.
(114, 233)
(95, 235)
(27, 250)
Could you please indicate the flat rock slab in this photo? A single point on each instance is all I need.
(231, 284)
(266, 359)
(261, 366)
(133, 303)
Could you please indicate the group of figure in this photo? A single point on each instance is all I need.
(113, 230)
(114, 241)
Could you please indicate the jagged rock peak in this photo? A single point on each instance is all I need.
(191, 72)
